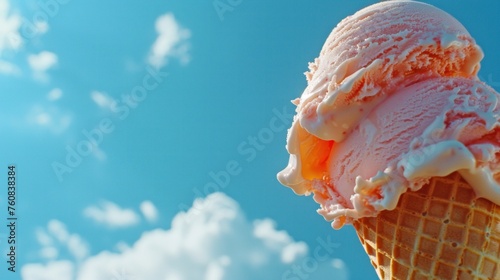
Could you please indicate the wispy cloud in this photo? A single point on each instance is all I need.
(101, 99)
(72, 242)
(56, 237)
(10, 38)
(49, 117)
(55, 94)
(13, 27)
(110, 214)
(9, 68)
(48, 251)
(41, 27)
(171, 42)
(149, 211)
(214, 241)
(266, 231)
(61, 270)
(43, 61)
(40, 63)
(43, 238)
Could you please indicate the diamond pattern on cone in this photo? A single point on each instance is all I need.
(441, 231)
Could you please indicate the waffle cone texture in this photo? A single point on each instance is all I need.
(441, 231)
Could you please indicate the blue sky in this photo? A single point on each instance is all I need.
(185, 101)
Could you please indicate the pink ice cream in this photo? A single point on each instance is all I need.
(374, 52)
(392, 100)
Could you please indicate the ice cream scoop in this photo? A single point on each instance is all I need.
(396, 134)
(376, 51)
(366, 58)
(370, 110)
(427, 129)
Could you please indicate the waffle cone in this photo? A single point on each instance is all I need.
(441, 231)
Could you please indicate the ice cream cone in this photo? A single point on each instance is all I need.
(441, 231)
(394, 101)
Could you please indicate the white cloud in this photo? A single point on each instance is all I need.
(293, 251)
(101, 99)
(149, 211)
(43, 238)
(42, 118)
(54, 94)
(77, 247)
(60, 270)
(43, 61)
(266, 231)
(112, 215)
(9, 68)
(122, 246)
(9, 28)
(49, 252)
(56, 237)
(216, 268)
(335, 268)
(58, 230)
(49, 117)
(41, 27)
(171, 41)
(212, 241)
(12, 30)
